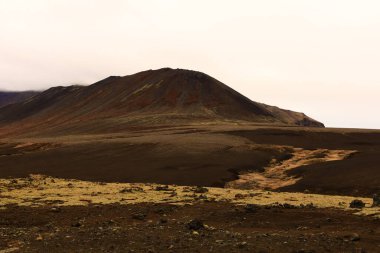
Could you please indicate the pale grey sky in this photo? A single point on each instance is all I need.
(321, 57)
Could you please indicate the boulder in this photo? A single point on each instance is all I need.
(376, 200)
(357, 203)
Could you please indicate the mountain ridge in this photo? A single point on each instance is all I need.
(162, 96)
(11, 97)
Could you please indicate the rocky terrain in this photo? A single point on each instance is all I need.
(173, 160)
(44, 214)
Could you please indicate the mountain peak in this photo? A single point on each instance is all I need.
(162, 96)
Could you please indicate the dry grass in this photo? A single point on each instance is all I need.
(38, 190)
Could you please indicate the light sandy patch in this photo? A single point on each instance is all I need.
(9, 250)
(35, 146)
(275, 175)
(23, 145)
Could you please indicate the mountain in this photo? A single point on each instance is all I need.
(7, 98)
(153, 97)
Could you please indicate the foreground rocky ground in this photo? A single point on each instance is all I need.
(201, 227)
(45, 214)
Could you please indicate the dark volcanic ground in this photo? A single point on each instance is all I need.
(131, 162)
(199, 155)
(186, 128)
(203, 155)
(358, 175)
(166, 228)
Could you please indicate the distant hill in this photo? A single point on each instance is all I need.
(153, 97)
(7, 98)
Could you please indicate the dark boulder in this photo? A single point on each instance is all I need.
(357, 203)
(195, 224)
(376, 200)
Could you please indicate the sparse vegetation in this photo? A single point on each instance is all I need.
(75, 192)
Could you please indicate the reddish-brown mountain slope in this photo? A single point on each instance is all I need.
(161, 96)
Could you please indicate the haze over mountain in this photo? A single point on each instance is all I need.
(163, 96)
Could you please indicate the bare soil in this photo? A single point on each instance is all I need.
(57, 215)
(204, 155)
(358, 175)
(165, 228)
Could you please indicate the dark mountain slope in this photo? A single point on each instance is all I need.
(164, 96)
(10, 97)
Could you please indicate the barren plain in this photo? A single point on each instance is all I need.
(173, 160)
(246, 188)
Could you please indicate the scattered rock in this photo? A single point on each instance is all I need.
(352, 237)
(76, 224)
(164, 209)
(186, 189)
(376, 200)
(195, 233)
(55, 209)
(160, 210)
(251, 208)
(355, 237)
(357, 203)
(162, 188)
(163, 220)
(195, 224)
(202, 196)
(209, 227)
(139, 216)
(126, 190)
(131, 189)
(288, 206)
(200, 189)
(241, 244)
(39, 238)
(239, 196)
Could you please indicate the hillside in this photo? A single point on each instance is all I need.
(7, 97)
(155, 97)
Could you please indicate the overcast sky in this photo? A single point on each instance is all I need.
(320, 57)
